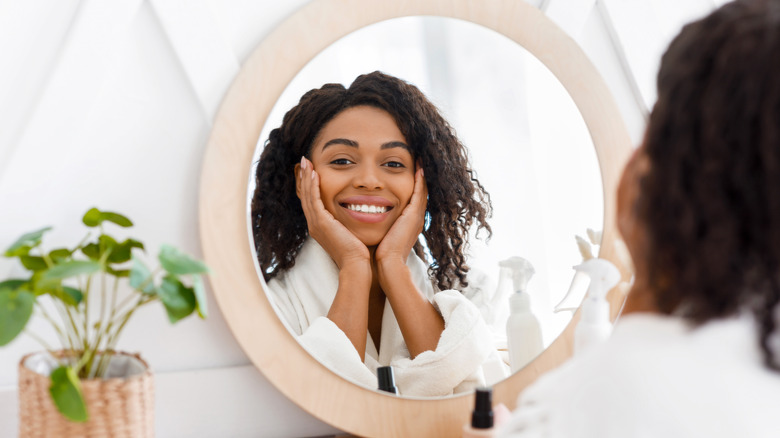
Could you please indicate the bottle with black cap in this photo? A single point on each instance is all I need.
(481, 425)
(386, 379)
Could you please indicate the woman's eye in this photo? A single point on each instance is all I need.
(341, 162)
(395, 164)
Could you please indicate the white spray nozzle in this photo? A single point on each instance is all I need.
(603, 276)
(584, 247)
(522, 271)
(594, 236)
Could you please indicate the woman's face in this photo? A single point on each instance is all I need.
(366, 171)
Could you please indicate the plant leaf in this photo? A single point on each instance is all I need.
(15, 310)
(41, 285)
(33, 263)
(117, 218)
(140, 274)
(200, 296)
(12, 284)
(65, 390)
(179, 263)
(23, 244)
(123, 251)
(95, 217)
(92, 251)
(60, 254)
(92, 218)
(71, 269)
(71, 295)
(107, 241)
(118, 272)
(179, 300)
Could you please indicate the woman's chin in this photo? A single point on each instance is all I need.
(371, 240)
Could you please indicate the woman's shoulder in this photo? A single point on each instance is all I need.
(655, 367)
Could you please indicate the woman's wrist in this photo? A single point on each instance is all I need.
(390, 272)
(356, 270)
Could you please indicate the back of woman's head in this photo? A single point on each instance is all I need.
(710, 200)
(456, 199)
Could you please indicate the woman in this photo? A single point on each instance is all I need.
(699, 209)
(345, 187)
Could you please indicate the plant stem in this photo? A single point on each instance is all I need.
(86, 309)
(63, 339)
(126, 317)
(113, 337)
(105, 325)
(80, 340)
(99, 331)
(49, 262)
(40, 340)
(70, 330)
(80, 245)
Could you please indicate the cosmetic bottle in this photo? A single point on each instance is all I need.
(481, 425)
(386, 379)
(523, 331)
(504, 290)
(594, 326)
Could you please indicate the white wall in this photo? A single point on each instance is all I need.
(109, 104)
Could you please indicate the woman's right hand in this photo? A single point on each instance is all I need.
(342, 246)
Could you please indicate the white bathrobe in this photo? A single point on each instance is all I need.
(303, 295)
(657, 377)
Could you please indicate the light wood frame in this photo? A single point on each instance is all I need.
(223, 209)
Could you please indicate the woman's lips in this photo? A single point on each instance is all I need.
(368, 209)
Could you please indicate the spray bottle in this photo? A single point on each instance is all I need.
(579, 283)
(594, 326)
(523, 332)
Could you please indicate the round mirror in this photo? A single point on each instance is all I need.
(223, 219)
(527, 141)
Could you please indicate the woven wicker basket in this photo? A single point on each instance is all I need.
(117, 407)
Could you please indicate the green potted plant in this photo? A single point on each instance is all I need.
(88, 294)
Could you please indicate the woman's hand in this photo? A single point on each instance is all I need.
(400, 239)
(349, 310)
(342, 246)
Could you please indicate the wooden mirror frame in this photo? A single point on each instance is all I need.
(223, 204)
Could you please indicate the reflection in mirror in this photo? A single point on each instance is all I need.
(527, 142)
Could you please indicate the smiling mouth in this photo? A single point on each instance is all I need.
(365, 208)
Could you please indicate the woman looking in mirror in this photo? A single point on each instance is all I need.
(345, 187)
(699, 209)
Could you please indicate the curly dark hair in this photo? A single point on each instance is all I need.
(456, 199)
(710, 199)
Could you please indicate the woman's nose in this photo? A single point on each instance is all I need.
(367, 177)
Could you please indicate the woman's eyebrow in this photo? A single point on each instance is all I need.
(344, 141)
(395, 144)
(354, 144)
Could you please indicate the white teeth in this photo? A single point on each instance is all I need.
(367, 208)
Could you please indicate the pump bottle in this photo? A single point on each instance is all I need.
(523, 332)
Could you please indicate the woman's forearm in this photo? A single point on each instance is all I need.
(349, 310)
(420, 323)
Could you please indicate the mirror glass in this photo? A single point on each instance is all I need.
(528, 143)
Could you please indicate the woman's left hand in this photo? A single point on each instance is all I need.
(399, 240)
